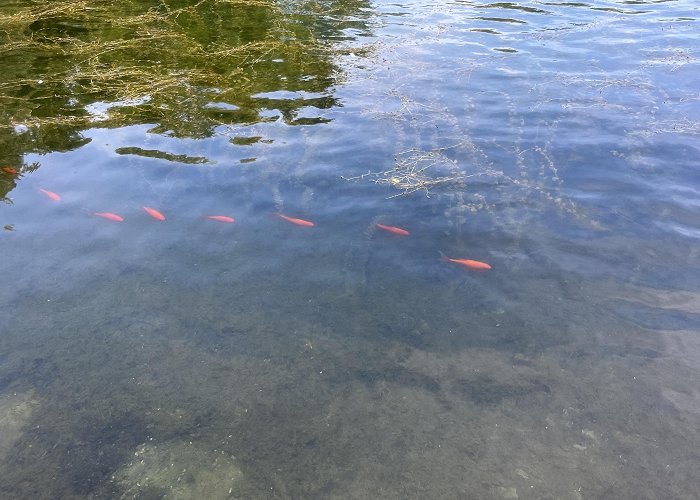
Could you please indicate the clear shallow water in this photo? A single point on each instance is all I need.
(193, 359)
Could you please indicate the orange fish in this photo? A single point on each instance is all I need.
(9, 170)
(475, 265)
(50, 194)
(154, 213)
(221, 218)
(297, 222)
(394, 230)
(110, 216)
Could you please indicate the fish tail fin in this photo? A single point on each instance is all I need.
(443, 256)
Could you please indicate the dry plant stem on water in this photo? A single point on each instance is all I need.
(410, 172)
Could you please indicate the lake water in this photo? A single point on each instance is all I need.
(189, 358)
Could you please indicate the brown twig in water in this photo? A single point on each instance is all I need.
(410, 172)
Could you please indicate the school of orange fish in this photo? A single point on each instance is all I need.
(474, 265)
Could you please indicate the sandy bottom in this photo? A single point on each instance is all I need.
(568, 391)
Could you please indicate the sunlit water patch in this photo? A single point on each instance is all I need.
(229, 352)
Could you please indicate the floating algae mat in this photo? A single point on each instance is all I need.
(69, 65)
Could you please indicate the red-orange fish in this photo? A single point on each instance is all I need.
(110, 216)
(394, 230)
(50, 194)
(9, 170)
(221, 218)
(154, 213)
(475, 265)
(297, 222)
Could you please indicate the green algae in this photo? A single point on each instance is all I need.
(187, 68)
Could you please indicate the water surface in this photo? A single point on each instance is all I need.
(557, 141)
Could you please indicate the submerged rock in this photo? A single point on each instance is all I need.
(15, 411)
(180, 471)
